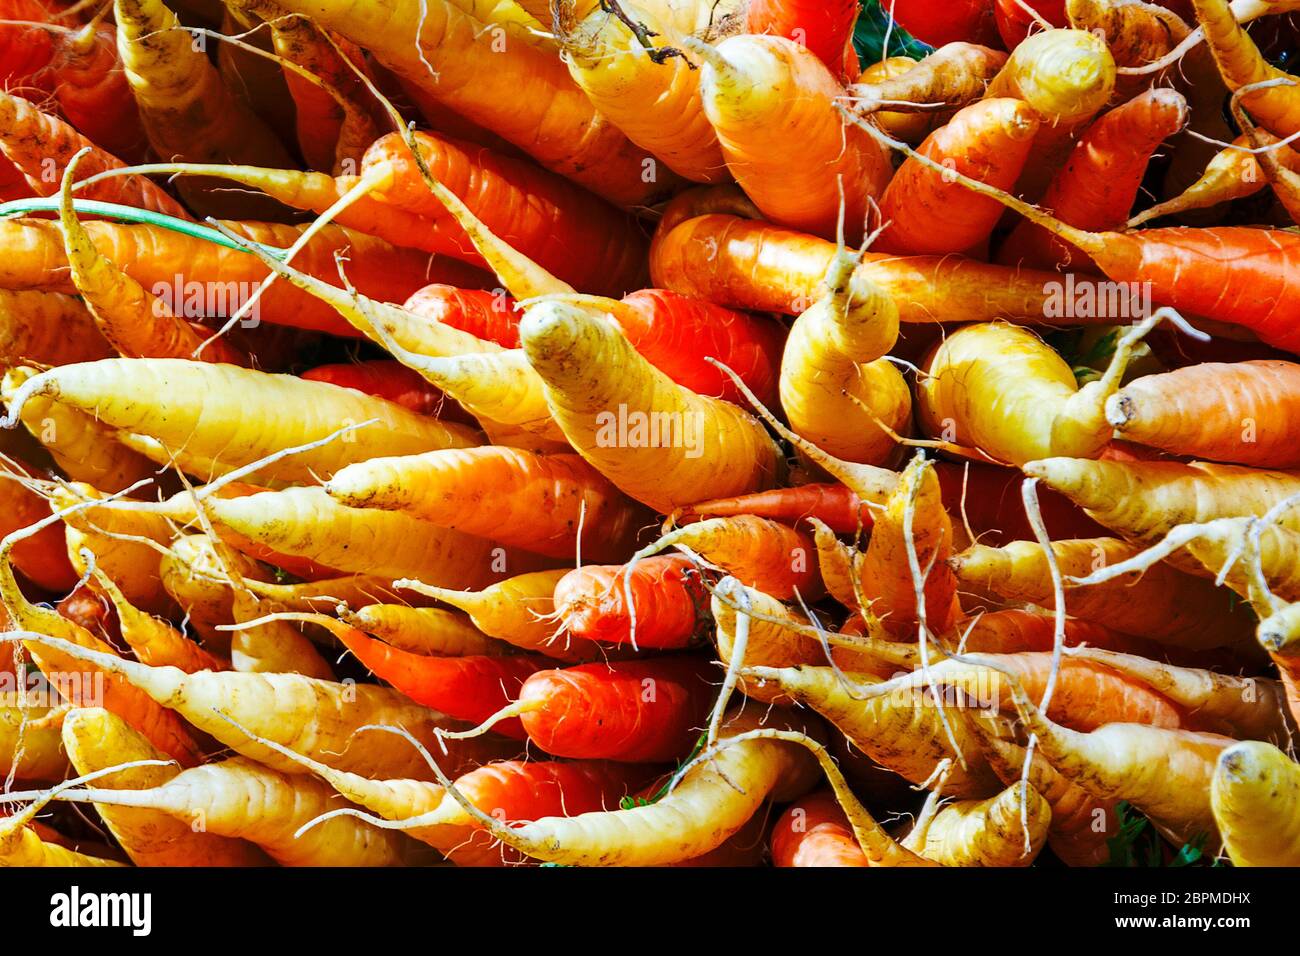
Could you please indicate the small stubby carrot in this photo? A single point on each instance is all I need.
(519, 610)
(1162, 604)
(927, 214)
(761, 92)
(1144, 500)
(549, 504)
(1067, 77)
(487, 315)
(826, 29)
(424, 630)
(1005, 830)
(96, 739)
(836, 387)
(201, 411)
(541, 214)
(704, 809)
(1098, 184)
(956, 73)
(525, 96)
(643, 711)
(1254, 794)
(84, 449)
(813, 831)
(42, 145)
(318, 718)
(757, 266)
(31, 746)
(653, 97)
(666, 597)
(764, 554)
(604, 396)
(187, 109)
(1231, 412)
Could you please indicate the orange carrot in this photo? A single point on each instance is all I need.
(825, 27)
(666, 600)
(487, 315)
(814, 831)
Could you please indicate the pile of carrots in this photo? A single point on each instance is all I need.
(649, 432)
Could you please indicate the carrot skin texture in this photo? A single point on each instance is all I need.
(592, 602)
(825, 28)
(629, 711)
(488, 315)
(815, 832)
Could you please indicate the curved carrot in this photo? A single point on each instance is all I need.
(825, 27)
(955, 74)
(629, 711)
(1240, 62)
(592, 602)
(541, 214)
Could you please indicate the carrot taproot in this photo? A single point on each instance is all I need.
(84, 449)
(1144, 500)
(644, 711)
(97, 739)
(315, 717)
(761, 267)
(1022, 629)
(519, 610)
(1162, 604)
(910, 127)
(1008, 829)
(651, 95)
(1097, 186)
(836, 562)
(813, 831)
(835, 386)
(764, 554)
(1233, 173)
(187, 109)
(927, 214)
(424, 630)
(713, 449)
(760, 93)
(833, 504)
(705, 808)
(826, 29)
(548, 504)
(592, 602)
(1253, 793)
(31, 745)
(955, 74)
(49, 328)
(200, 410)
(487, 315)
(1240, 62)
(1138, 33)
(153, 640)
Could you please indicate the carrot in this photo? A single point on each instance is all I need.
(49, 328)
(487, 315)
(630, 711)
(760, 93)
(1008, 829)
(539, 213)
(1096, 187)
(525, 95)
(910, 127)
(22, 843)
(938, 22)
(1164, 773)
(96, 739)
(1081, 825)
(833, 504)
(1144, 500)
(548, 504)
(191, 576)
(517, 610)
(814, 831)
(826, 29)
(761, 267)
(592, 602)
(955, 74)
(386, 379)
(1240, 62)
(84, 449)
(200, 409)
(1253, 793)
(316, 717)
(1015, 22)
(218, 278)
(1245, 707)
(1066, 77)
(1001, 389)
(1138, 33)
(705, 809)
(651, 95)
(767, 555)
(835, 386)
(906, 733)
(1162, 604)
(153, 640)
(928, 214)
(424, 630)
(1021, 629)
(42, 146)
(31, 747)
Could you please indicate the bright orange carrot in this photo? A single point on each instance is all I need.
(814, 831)
(666, 600)
(488, 315)
(825, 27)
